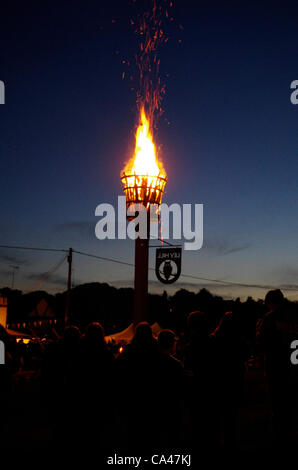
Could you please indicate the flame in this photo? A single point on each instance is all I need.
(144, 161)
(144, 178)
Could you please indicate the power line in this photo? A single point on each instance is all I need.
(32, 248)
(113, 260)
(45, 276)
(231, 282)
(125, 263)
(191, 276)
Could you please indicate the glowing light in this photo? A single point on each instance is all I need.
(23, 340)
(144, 161)
(144, 177)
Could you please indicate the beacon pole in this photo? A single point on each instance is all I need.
(141, 276)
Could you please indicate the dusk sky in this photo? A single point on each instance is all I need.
(228, 136)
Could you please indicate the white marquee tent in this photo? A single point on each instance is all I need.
(127, 334)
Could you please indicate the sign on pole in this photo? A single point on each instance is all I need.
(168, 264)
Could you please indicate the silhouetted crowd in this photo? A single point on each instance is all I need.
(164, 392)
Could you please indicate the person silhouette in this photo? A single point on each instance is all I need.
(231, 352)
(170, 383)
(96, 389)
(6, 370)
(138, 402)
(275, 333)
(60, 384)
(200, 361)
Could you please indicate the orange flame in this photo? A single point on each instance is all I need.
(144, 178)
(145, 161)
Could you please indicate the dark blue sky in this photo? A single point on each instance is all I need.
(68, 124)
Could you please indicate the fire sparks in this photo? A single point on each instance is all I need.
(144, 177)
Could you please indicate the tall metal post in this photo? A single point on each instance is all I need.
(67, 308)
(147, 190)
(141, 276)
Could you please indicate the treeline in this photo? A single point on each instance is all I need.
(113, 307)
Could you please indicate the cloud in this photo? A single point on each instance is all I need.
(11, 257)
(223, 247)
(44, 279)
(236, 248)
(288, 277)
(82, 228)
(74, 225)
(293, 287)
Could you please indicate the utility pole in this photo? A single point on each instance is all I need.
(67, 308)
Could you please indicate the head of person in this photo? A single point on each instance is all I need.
(94, 336)
(197, 324)
(274, 299)
(72, 336)
(166, 341)
(143, 337)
